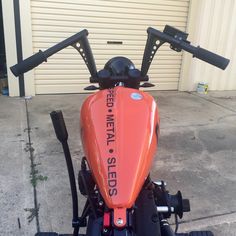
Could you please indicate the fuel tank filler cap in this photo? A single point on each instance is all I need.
(136, 96)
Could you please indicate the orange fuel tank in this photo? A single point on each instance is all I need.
(119, 133)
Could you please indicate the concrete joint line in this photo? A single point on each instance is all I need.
(209, 100)
(35, 210)
(201, 223)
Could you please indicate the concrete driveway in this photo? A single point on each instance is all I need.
(197, 155)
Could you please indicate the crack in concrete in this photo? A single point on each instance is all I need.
(208, 217)
(209, 222)
(32, 166)
(186, 126)
(220, 119)
(211, 101)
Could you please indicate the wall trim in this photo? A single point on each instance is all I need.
(186, 81)
(27, 44)
(10, 44)
(19, 44)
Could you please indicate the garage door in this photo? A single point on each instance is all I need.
(123, 21)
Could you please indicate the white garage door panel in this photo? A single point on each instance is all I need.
(90, 24)
(59, 32)
(117, 6)
(122, 20)
(143, 21)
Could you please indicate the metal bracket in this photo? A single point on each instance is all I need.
(177, 34)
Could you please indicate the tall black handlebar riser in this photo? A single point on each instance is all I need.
(86, 53)
(149, 53)
(41, 56)
(62, 135)
(67, 42)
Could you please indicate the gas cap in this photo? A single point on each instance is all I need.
(136, 96)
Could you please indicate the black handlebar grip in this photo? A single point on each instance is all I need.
(211, 58)
(59, 125)
(28, 64)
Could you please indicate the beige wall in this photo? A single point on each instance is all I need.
(212, 25)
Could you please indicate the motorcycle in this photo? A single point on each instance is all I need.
(120, 130)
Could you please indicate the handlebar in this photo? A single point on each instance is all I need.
(177, 40)
(197, 52)
(38, 58)
(29, 63)
(210, 57)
